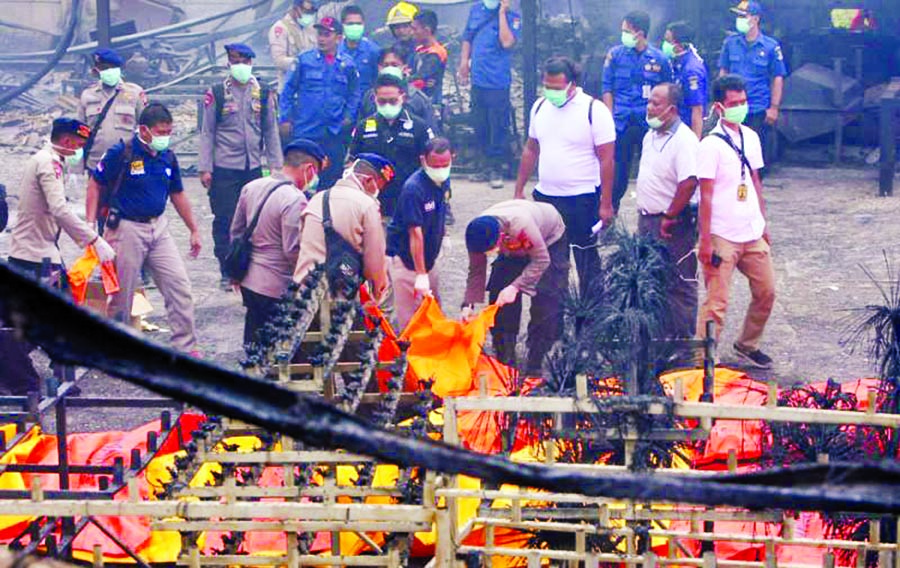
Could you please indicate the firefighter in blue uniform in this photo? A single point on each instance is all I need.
(631, 71)
(757, 58)
(321, 98)
(363, 50)
(690, 73)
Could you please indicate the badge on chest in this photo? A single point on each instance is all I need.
(742, 192)
(137, 168)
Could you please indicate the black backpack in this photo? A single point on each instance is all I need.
(237, 261)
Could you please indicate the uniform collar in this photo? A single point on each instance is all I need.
(672, 129)
(759, 39)
(48, 146)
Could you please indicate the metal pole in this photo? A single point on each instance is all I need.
(103, 24)
(529, 56)
(709, 363)
(888, 147)
(839, 104)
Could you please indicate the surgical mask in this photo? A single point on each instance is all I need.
(75, 159)
(629, 39)
(557, 97)
(305, 20)
(668, 49)
(491, 4)
(354, 32)
(160, 143)
(438, 175)
(390, 112)
(742, 24)
(241, 72)
(736, 114)
(111, 77)
(392, 71)
(655, 122)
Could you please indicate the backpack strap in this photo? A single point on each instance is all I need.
(263, 113)
(253, 222)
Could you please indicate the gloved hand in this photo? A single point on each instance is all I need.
(508, 295)
(468, 314)
(422, 285)
(105, 252)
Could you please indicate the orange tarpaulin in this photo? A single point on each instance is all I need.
(81, 271)
(446, 350)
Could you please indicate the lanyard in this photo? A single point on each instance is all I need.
(745, 164)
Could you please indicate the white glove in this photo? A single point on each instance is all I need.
(422, 285)
(468, 313)
(104, 251)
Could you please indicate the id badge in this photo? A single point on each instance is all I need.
(742, 192)
(645, 91)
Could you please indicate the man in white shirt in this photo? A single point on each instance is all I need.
(666, 185)
(733, 228)
(572, 139)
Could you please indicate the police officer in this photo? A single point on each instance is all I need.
(417, 102)
(321, 98)
(491, 32)
(110, 107)
(399, 21)
(631, 71)
(277, 202)
(295, 33)
(689, 74)
(417, 231)
(43, 212)
(360, 48)
(533, 260)
(757, 58)
(142, 175)
(392, 132)
(240, 126)
(356, 222)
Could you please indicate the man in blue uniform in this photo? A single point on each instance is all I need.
(757, 58)
(690, 74)
(416, 232)
(321, 98)
(631, 71)
(140, 177)
(355, 44)
(491, 32)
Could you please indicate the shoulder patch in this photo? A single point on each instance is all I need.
(694, 82)
(371, 125)
(608, 59)
(516, 23)
(778, 55)
(278, 30)
(209, 98)
(57, 169)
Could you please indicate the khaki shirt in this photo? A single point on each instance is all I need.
(276, 239)
(43, 211)
(527, 229)
(356, 217)
(287, 39)
(120, 122)
(234, 141)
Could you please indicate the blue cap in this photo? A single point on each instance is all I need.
(308, 147)
(381, 164)
(482, 233)
(241, 49)
(108, 56)
(65, 125)
(748, 8)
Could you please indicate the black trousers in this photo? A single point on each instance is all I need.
(757, 121)
(259, 309)
(546, 324)
(54, 275)
(335, 147)
(628, 144)
(580, 213)
(490, 115)
(223, 198)
(682, 284)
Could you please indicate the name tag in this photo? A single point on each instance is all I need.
(645, 91)
(430, 206)
(137, 168)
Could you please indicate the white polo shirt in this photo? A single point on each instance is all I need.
(568, 163)
(732, 219)
(667, 159)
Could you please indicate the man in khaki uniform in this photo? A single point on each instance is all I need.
(294, 33)
(355, 217)
(121, 118)
(276, 203)
(43, 212)
(239, 128)
(533, 260)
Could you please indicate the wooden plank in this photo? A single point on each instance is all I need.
(302, 560)
(288, 526)
(279, 458)
(253, 492)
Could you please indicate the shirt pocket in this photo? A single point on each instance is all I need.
(314, 80)
(123, 116)
(622, 77)
(759, 64)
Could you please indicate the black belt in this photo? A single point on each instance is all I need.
(135, 219)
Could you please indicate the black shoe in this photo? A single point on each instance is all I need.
(755, 358)
(450, 220)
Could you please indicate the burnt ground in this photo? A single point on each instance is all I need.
(825, 223)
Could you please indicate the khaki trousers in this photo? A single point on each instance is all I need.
(403, 282)
(137, 243)
(753, 260)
